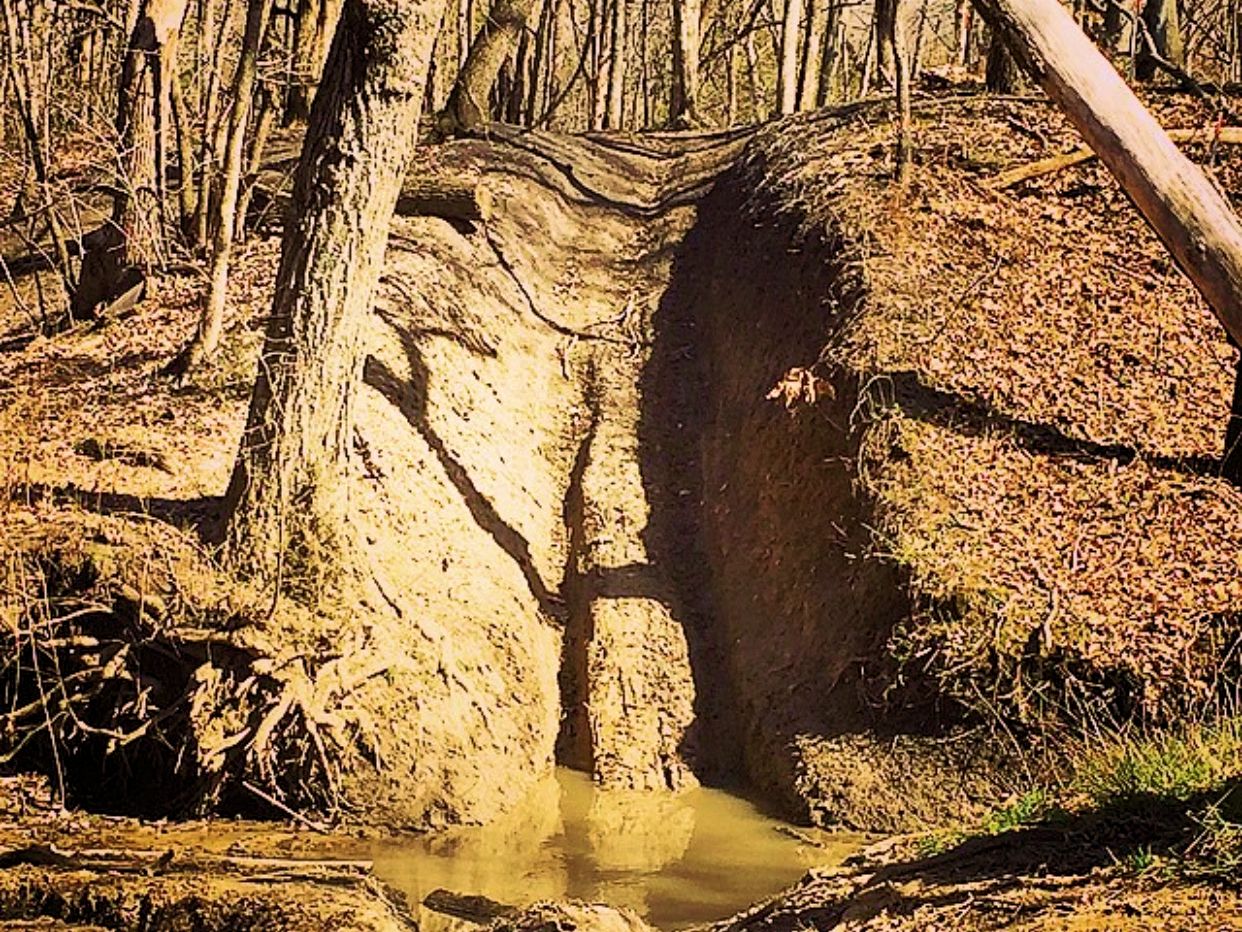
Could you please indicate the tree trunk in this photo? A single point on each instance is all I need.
(211, 323)
(814, 57)
(186, 190)
(597, 85)
(1003, 75)
(142, 127)
(1111, 29)
(892, 32)
(1164, 27)
(135, 243)
(297, 105)
(791, 34)
(963, 26)
(684, 100)
(616, 69)
(539, 63)
(467, 107)
(1189, 214)
(284, 500)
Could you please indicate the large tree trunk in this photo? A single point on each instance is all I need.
(211, 323)
(813, 58)
(684, 101)
(616, 67)
(410, 714)
(143, 122)
(467, 107)
(285, 508)
(1164, 27)
(1188, 212)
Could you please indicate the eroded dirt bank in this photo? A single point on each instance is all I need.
(690, 457)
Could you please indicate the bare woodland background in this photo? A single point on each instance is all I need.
(154, 114)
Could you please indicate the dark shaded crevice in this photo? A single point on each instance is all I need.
(574, 747)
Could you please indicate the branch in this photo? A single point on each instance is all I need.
(1230, 135)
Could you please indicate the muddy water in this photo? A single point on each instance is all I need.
(676, 860)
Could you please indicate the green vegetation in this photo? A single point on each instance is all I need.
(1168, 800)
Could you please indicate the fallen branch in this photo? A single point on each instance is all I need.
(105, 860)
(1230, 135)
(291, 813)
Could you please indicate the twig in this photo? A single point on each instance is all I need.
(1230, 135)
(291, 813)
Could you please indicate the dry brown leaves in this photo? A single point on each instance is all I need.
(1055, 395)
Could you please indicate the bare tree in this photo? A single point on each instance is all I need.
(1003, 76)
(316, 19)
(467, 108)
(1164, 31)
(684, 101)
(616, 67)
(819, 33)
(283, 501)
(136, 240)
(211, 323)
(892, 32)
(791, 34)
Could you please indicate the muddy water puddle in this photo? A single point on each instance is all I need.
(676, 860)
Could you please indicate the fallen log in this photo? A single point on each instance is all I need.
(477, 909)
(148, 861)
(1227, 135)
(447, 196)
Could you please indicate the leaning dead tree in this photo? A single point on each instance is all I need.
(1189, 214)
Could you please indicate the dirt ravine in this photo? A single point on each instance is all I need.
(679, 458)
(513, 350)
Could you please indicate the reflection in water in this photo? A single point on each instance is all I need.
(676, 860)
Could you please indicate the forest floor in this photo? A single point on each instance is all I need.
(997, 480)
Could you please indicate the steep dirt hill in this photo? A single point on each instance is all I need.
(687, 458)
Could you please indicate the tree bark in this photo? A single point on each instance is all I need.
(288, 521)
(892, 32)
(1003, 76)
(467, 108)
(963, 26)
(142, 127)
(684, 100)
(791, 35)
(814, 56)
(616, 68)
(136, 241)
(1189, 214)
